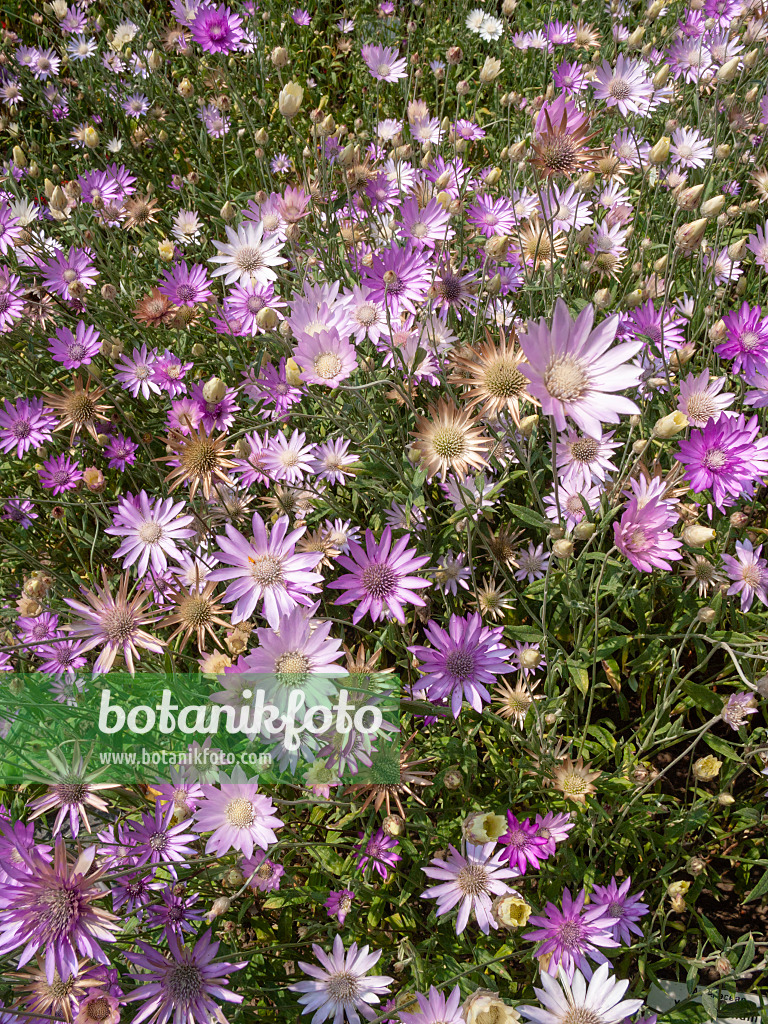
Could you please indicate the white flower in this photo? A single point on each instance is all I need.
(491, 28)
(341, 987)
(576, 1002)
(475, 20)
(247, 257)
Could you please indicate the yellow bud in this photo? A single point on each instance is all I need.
(214, 390)
(584, 530)
(293, 373)
(166, 249)
(688, 236)
(484, 828)
(527, 423)
(186, 89)
(510, 911)
(689, 198)
(706, 768)
(712, 207)
(267, 319)
(228, 211)
(670, 425)
(444, 199)
(290, 99)
(659, 153)
(91, 137)
(496, 246)
(18, 157)
(493, 176)
(562, 548)
(728, 71)
(696, 536)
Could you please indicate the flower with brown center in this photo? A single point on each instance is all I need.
(513, 702)
(196, 612)
(538, 245)
(79, 407)
(154, 309)
(391, 776)
(55, 1000)
(560, 151)
(141, 211)
(491, 600)
(574, 779)
(491, 377)
(199, 459)
(449, 440)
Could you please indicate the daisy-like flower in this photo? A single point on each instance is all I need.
(689, 148)
(642, 534)
(380, 851)
(700, 399)
(513, 702)
(757, 244)
(471, 881)
(749, 573)
(727, 456)
(150, 532)
(573, 373)
(339, 903)
(341, 988)
(424, 226)
(239, 817)
(554, 828)
(62, 272)
(266, 569)
(624, 909)
(49, 906)
(531, 563)
(574, 1001)
(379, 577)
(398, 278)
(330, 461)
(448, 439)
(248, 257)
(199, 459)
(21, 511)
(217, 29)
(114, 624)
(287, 459)
(299, 649)
(186, 284)
(524, 845)
(491, 377)
(746, 340)
(79, 407)
(326, 358)
(182, 984)
(573, 779)
(436, 1008)
(60, 474)
(156, 840)
(584, 461)
(384, 63)
(627, 86)
(462, 661)
(571, 934)
(71, 793)
(737, 709)
(74, 350)
(27, 424)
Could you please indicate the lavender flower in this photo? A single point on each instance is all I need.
(571, 934)
(237, 814)
(341, 987)
(623, 909)
(472, 880)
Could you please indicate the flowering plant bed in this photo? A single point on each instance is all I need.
(383, 475)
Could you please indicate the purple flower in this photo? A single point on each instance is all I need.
(325, 359)
(60, 474)
(410, 275)
(379, 576)
(301, 17)
(384, 63)
(472, 880)
(136, 105)
(217, 29)
(121, 451)
(60, 657)
(186, 285)
(338, 904)
(12, 300)
(465, 658)
(725, 457)
(554, 828)
(749, 573)
(137, 374)
(176, 912)
(642, 533)
(50, 907)
(299, 646)
(168, 373)
(572, 933)
(155, 840)
(736, 709)
(623, 910)
(150, 532)
(573, 373)
(215, 415)
(239, 817)
(263, 873)
(74, 350)
(524, 844)
(10, 228)
(266, 569)
(436, 1008)
(747, 340)
(28, 424)
(21, 511)
(274, 392)
(61, 272)
(183, 985)
(380, 850)
(340, 987)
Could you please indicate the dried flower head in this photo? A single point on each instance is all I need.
(79, 407)
(200, 459)
(491, 377)
(449, 440)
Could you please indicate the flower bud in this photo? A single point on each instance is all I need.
(718, 332)
(58, 200)
(497, 246)
(108, 292)
(290, 99)
(750, 59)
(678, 904)
(444, 198)
(725, 799)
(94, 480)
(393, 825)
(482, 828)
(19, 157)
(659, 154)
(688, 236)
(689, 198)
(728, 71)
(293, 373)
(267, 319)
(214, 390)
(639, 446)
(706, 768)
(635, 39)
(510, 911)
(220, 906)
(696, 536)
(454, 55)
(562, 548)
(712, 207)
(586, 182)
(485, 1007)
(584, 530)
(695, 866)
(186, 89)
(279, 56)
(198, 350)
(493, 177)
(737, 250)
(453, 779)
(738, 520)
(602, 298)
(670, 425)
(529, 658)
(527, 424)
(490, 70)
(706, 615)
(166, 249)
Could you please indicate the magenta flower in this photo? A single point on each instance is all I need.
(120, 451)
(50, 907)
(12, 300)
(380, 851)
(21, 511)
(263, 874)
(462, 661)
(183, 985)
(623, 910)
(74, 350)
(299, 646)
(137, 374)
(60, 474)
(473, 881)
(573, 373)
(749, 573)
(61, 272)
(384, 63)
(737, 708)
(338, 904)
(266, 569)
(746, 340)
(186, 285)
(571, 934)
(150, 532)
(627, 86)
(28, 424)
(553, 828)
(524, 844)
(156, 840)
(168, 373)
(726, 457)
(379, 576)
(411, 277)
(217, 29)
(239, 817)
(642, 534)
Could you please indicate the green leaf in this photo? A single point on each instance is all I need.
(742, 1009)
(711, 932)
(760, 889)
(529, 517)
(721, 746)
(580, 676)
(704, 697)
